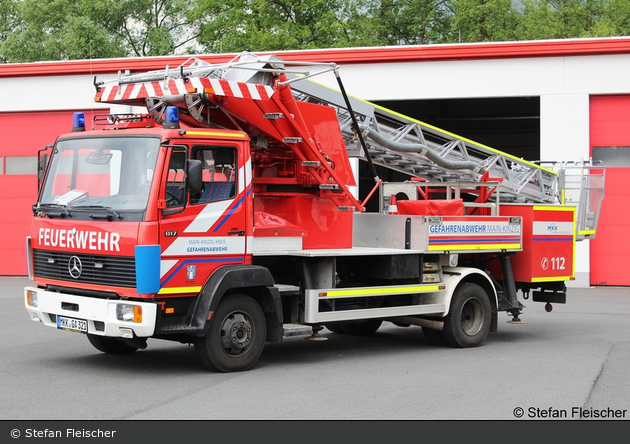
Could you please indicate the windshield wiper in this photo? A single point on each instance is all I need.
(109, 217)
(63, 212)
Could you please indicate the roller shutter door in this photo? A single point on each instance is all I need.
(610, 142)
(24, 133)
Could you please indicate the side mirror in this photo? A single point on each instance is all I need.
(194, 180)
(41, 167)
(42, 163)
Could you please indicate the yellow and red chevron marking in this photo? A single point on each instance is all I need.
(227, 88)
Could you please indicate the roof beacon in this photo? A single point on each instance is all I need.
(171, 120)
(78, 122)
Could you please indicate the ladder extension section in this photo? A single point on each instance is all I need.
(394, 141)
(421, 150)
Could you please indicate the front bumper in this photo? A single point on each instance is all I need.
(100, 314)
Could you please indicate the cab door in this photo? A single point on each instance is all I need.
(202, 231)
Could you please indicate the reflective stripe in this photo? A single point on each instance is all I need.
(235, 88)
(475, 247)
(552, 208)
(166, 266)
(208, 217)
(141, 90)
(380, 291)
(213, 133)
(178, 290)
(217, 87)
(585, 232)
(551, 279)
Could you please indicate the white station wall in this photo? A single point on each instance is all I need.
(535, 76)
(564, 136)
(48, 93)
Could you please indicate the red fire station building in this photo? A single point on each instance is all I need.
(556, 100)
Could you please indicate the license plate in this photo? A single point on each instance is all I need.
(72, 324)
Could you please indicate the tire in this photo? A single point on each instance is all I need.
(468, 321)
(111, 346)
(363, 328)
(435, 337)
(236, 337)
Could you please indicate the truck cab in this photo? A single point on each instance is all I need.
(129, 225)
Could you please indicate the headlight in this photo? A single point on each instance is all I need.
(31, 298)
(129, 313)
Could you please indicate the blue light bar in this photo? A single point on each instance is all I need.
(171, 117)
(78, 122)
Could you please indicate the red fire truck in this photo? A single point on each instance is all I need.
(231, 211)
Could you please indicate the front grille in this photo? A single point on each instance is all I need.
(95, 269)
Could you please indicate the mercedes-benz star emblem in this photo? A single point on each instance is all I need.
(75, 267)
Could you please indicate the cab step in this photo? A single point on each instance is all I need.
(290, 330)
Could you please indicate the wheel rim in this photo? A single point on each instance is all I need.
(471, 317)
(236, 333)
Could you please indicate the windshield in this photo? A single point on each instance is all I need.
(112, 172)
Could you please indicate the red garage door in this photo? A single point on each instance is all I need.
(23, 134)
(610, 142)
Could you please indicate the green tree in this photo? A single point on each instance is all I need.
(8, 18)
(156, 27)
(235, 25)
(432, 20)
(32, 30)
(557, 19)
(396, 22)
(84, 29)
(485, 20)
(614, 20)
(58, 30)
(259, 25)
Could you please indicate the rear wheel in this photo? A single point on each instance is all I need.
(468, 320)
(110, 346)
(435, 337)
(236, 337)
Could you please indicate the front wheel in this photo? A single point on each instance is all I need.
(468, 320)
(236, 337)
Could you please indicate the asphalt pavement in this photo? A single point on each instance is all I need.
(569, 364)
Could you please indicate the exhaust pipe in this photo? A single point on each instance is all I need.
(434, 325)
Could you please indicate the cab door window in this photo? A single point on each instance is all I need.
(219, 173)
(176, 180)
